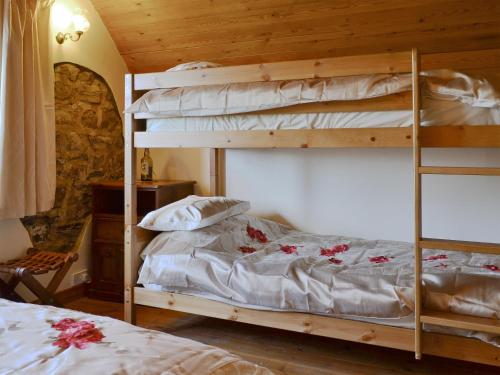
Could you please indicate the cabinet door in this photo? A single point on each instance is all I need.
(108, 229)
(107, 271)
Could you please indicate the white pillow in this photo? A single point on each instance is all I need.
(193, 66)
(193, 212)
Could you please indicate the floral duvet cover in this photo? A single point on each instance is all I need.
(47, 340)
(257, 263)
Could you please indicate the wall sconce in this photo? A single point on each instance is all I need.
(63, 18)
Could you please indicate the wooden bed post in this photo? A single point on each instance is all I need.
(417, 163)
(130, 256)
(217, 171)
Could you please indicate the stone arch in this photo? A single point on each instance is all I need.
(89, 148)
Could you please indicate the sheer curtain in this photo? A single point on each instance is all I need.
(27, 130)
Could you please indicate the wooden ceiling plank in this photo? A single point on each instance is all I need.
(253, 31)
(280, 50)
(164, 36)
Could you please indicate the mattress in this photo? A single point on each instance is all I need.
(247, 261)
(435, 112)
(48, 340)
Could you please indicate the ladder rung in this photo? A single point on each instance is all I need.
(472, 323)
(466, 246)
(475, 171)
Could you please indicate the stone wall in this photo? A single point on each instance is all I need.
(89, 148)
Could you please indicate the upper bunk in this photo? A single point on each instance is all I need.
(407, 67)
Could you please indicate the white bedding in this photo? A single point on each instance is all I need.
(448, 98)
(47, 340)
(214, 100)
(258, 263)
(435, 112)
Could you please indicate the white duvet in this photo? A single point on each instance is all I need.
(47, 340)
(435, 112)
(215, 100)
(258, 263)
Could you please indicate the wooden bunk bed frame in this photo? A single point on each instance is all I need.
(415, 137)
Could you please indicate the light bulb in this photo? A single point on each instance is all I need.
(61, 17)
(80, 22)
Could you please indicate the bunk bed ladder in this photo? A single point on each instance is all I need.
(417, 163)
(441, 318)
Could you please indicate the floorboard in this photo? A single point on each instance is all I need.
(286, 352)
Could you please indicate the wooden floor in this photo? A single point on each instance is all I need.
(286, 352)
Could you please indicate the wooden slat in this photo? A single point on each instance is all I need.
(401, 338)
(217, 171)
(130, 209)
(130, 154)
(466, 246)
(417, 189)
(466, 171)
(395, 102)
(367, 333)
(461, 348)
(304, 138)
(461, 136)
(130, 263)
(396, 62)
(472, 323)
(433, 136)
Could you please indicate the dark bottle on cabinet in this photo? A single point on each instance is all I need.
(146, 166)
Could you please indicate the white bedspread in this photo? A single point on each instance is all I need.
(254, 262)
(46, 340)
(435, 112)
(237, 98)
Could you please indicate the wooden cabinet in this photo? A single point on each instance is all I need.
(108, 228)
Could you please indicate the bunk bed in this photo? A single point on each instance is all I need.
(415, 137)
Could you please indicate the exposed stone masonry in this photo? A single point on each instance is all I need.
(89, 148)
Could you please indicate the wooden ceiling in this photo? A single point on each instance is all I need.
(153, 35)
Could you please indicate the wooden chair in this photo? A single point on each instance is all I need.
(35, 263)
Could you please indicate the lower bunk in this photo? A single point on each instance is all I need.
(437, 344)
(234, 266)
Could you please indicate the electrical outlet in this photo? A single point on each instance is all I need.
(81, 277)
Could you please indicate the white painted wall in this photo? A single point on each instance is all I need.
(368, 193)
(96, 51)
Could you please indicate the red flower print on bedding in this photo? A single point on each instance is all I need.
(328, 252)
(335, 261)
(288, 249)
(247, 249)
(436, 257)
(256, 234)
(379, 259)
(76, 333)
(492, 267)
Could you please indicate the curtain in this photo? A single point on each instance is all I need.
(27, 126)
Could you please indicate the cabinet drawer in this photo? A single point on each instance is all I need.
(111, 230)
